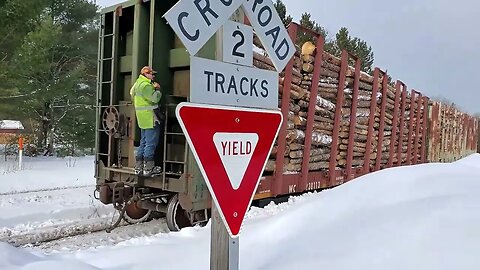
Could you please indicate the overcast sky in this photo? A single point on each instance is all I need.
(431, 45)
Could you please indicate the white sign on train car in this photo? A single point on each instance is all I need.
(196, 21)
(214, 82)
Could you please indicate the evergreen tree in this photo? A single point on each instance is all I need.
(282, 12)
(355, 46)
(53, 70)
(308, 23)
(17, 18)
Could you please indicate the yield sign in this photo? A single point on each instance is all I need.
(231, 146)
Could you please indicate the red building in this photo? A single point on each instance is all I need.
(9, 130)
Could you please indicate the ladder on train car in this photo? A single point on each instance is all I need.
(172, 134)
(106, 62)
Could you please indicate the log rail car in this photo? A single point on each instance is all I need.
(355, 125)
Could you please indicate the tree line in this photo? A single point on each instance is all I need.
(334, 45)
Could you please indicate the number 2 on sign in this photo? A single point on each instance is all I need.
(237, 42)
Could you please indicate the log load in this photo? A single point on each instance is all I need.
(324, 116)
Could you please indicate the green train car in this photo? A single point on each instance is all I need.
(133, 34)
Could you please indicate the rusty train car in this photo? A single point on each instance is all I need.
(356, 124)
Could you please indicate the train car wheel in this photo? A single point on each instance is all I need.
(134, 214)
(177, 217)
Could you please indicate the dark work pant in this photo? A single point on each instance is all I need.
(148, 143)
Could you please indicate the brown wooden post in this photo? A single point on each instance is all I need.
(465, 132)
(471, 138)
(353, 119)
(381, 129)
(476, 134)
(417, 128)
(402, 126)
(311, 112)
(410, 128)
(424, 130)
(338, 120)
(282, 136)
(474, 125)
(371, 122)
(395, 125)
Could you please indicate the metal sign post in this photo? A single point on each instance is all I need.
(20, 152)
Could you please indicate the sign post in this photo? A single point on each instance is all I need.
(231, 151)
(224, 250)
(20, 152)
(230, 144)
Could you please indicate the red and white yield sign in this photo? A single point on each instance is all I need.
(231, 146)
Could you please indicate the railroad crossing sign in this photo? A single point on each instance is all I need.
(195, 22)
(231, 147)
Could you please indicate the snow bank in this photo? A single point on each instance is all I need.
(17, 259)
(418, 217)
(44, 173)
(12, 257)
(470, 161)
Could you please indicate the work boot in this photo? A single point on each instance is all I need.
(150, 170)
(139, 166)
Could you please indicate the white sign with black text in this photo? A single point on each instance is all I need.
(237, 43)
(271, 31)
(196, 21)
(214, 82)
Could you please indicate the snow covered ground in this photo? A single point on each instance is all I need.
(417, 217)
(45, 173)
(49, 198)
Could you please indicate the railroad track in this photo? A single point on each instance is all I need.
(154, 228)
(39, 237)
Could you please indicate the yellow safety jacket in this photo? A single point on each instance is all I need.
(145, 99)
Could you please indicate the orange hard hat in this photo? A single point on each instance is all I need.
(147, 69)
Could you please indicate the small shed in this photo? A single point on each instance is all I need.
(9, 129)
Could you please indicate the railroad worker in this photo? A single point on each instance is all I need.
(146, 97)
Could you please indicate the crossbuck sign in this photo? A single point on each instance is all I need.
(196, 21)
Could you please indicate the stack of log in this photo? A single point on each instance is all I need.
(324, 116)
(363, 103)
(403, 124)
(296, 121)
